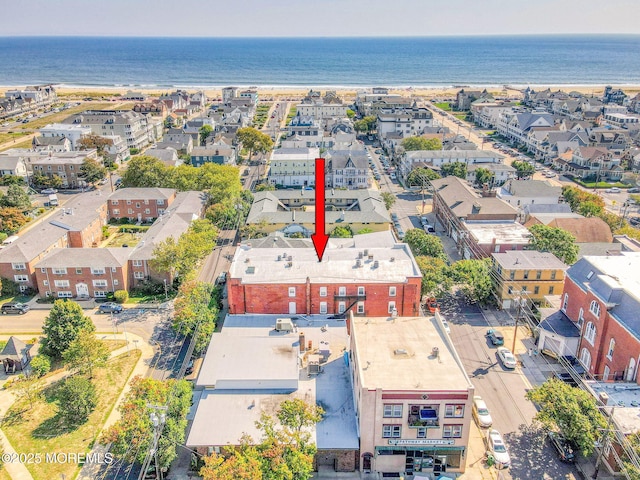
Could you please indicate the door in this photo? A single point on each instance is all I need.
(631, 371)
(292, 308)
(82, 289)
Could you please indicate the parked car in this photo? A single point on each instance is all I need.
(222, 278)
(392, 176)
(635, 221)
(378, 151)
(550, 174)
(507, 358)
(49, 191)
(495, 337)
(189, 369)
(634, 190)
(497, 448)
(429, 229)
(562, 446)
(613, 190)
(19, 308)
(394, 217)
(481, 412)
(110, 307)
(566, 378)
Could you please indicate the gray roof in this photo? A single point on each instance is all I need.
(85, 257)
(528, 259)
(463, 155)
(142, 194)
(532, 188)
(167, 154)
(339, 159)
(15, 349)
(534, 208)
(463, 201)
(9, 162)
(598, 249)
(560, 324)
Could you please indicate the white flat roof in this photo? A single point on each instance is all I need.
(501, 232)
(397, 354)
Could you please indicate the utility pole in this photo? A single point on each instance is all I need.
(605, 443)
(158, 420)
(515, 332)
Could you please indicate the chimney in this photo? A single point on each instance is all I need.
(301, 341)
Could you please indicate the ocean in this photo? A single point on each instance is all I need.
(339, 62)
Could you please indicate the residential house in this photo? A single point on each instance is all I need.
(15, 355)
(13, 165)
(348, 169)
(322, 108)
(154, 108)
(72, 132)
(412, 395)
(82, 272)
(136, 129)
(370, 103)
(516, 126)
(526, 276)
(465, 99)
(51, 144)
(220, 154)
(612, 95)
(594, 163)
(293, 167)
(140, 204)
(409, 122)
(179, 140)
(116, 150)
(499, 171)
(368, 273)
(305, 126)
(66, 165)
(437, 158)
(29, 99)
(168, 155)
(528, 192)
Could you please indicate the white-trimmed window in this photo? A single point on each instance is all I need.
(323, 307)
(160, 202)
(43, 270)
(100, 294)
(323, 291)
(581, 318)
(59, 271)
(147, 211)
(361, 291)
(341, 307)
(19, 266)
(392, 410)
(590, 333)
(61, 283)
(130, 211)
(422, 432)
(137, 263)
(392, 291)
(360, 307)
(565, 302)
(97, 270)
(45, 283)
(292, 291)
(116, 211)
(138, 275)
(594, 308)
(391, 431)
(585, 358)
(612, 347)
(342, 291)
(21, 278)
(454, 411)
(452, 431)
(128, 202)
(115, 282)
(392, 307)
(100, 283)
(114, 202)
(66, 294)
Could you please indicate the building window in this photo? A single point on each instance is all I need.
(422, 432)
(538, 274)
(115, 282)
(97, 271)
(455, 411)
(292, 291)
(551, 290)
(61, 283)
(137, 263)
(100, 283)
(594, 308)
(553, 275)
(392, 291)
(78, 271)
(585, 358)
(590, 333)
(43, 270)
(323, 307)
(100, 294)
(147, 211)
(130, 211)
(589, 275)
(512, 275)
(138, 275)
(581, 318)
(114, 202)
(342, 291)
(360, 307)
(565, 302)
(65, 294)
(116, 211)
(392, 307)
(361, 291)
(128, 202)
(323, 291)
(526, 275)
(391, 431)
(341, 307)
(19, 266)
(510, 290)
(392, 411)
(21, 278)
(524, 288)
(45, 283)
(536, 290)
(612, 347)
(160, 202)
(452, 431)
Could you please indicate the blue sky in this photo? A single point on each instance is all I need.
(269, 18)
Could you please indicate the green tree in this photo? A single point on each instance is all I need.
(523, 169)
(7, 180)
(88, 142)
(555, 240)
(350, 114)
(473, 279)
(131, 437)
(590, 209)
(16, 197)
(575, 196)
(366, 124)
(85, 353)
(422, 244)
(77, 398)
(629, 231)
(457, 169)
(297, 414)
(91, 170)
(389, 199)
(421, 143)
(40, 365)
(436, 279)
(205, 132)
(243, 463)
(11, 219)
(342, 231)
(571, 410)
(265, 187)
(254, 140)
(27, 387)
(194, 313)
(484, 175)
(145, 171)
(165, 257)
(421, 176)
(62, 326)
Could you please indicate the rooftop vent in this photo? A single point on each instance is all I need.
(279, 257)
(370, 257)
(360, 255)
(392, 259)
(358, 263)
(290, 264)
(251, 270)
(435, 351)
(376, 264)
(400, 351)
(289, 258)
(247, 260)
(366, 253)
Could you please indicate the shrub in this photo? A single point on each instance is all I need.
(105, 231)
(9, 288)
(40, 365)
(121, 296)
(123, 221)
(133, 228)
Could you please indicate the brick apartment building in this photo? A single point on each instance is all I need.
(140, 204)
(369, 274)
(601, 297)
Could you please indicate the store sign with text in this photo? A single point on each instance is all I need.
(421, 442)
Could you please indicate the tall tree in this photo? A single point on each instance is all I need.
(194, 313)
(205, 132)
(421, 143)
(144, 171)
(555, 240)
(366, 124)
(11, 219)
(389, 199)
(421, 176)
(571, 410)
(85, 353)
(422, 243)
(254, 140)
(473, 279)
(436, 279)
(484, 175)
(457, 169)
(590, 209)
(523, 169)
(62, 326)
(91, 170)
(90, 141)
(77, 398)
(297, 414)
(16, 197)
(28, 387)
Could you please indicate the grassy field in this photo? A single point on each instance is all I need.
(40, 429)
(24, 144)
(120, 239)
(443, 106)
(600, 184)
(7, 137)
(58, 117)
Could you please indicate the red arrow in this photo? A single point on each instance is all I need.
(320, 238)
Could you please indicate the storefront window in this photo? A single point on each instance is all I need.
(455, 411)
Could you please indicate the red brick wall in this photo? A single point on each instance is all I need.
(138, 206)
(120, 275)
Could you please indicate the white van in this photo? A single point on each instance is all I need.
(53, 200)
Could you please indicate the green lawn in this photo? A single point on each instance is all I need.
(7, 137)
(600, 184)
(119, 239)
(443, 106)
(40, 430)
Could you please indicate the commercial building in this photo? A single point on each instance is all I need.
(135, 128)
(368, 274)
(413, 397)
(73, 132)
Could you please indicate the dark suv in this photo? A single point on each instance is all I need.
(20, 308)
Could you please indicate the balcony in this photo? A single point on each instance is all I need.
(423, 417)
(350, 296)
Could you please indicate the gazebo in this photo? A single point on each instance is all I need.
(15, 355)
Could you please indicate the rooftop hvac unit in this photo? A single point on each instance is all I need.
(366, 253)
(358, 263)
(284, 325)
(435, 351)
(314, 367)
(279, 257)
(289, 264)
(376, 264)
(360, 255)
(370, 257)
(289, 258)
(392, 259)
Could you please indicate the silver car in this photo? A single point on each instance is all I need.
(507, 358)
